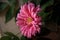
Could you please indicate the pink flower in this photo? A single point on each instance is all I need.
(28, 21)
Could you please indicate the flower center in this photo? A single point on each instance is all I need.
(29, 19)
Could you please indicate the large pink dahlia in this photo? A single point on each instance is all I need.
(28, 20)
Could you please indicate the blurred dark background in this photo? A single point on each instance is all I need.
(52, 30)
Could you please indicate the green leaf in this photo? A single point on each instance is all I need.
(36, 2)
(9, 14)
(9, 34)
(15, 38)
(43, 15)
(11, 2)
(50, 2)
(12, 35)
(25, 1)
(5, 38)
(3, 6)
(17, 11)
(23, 38)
